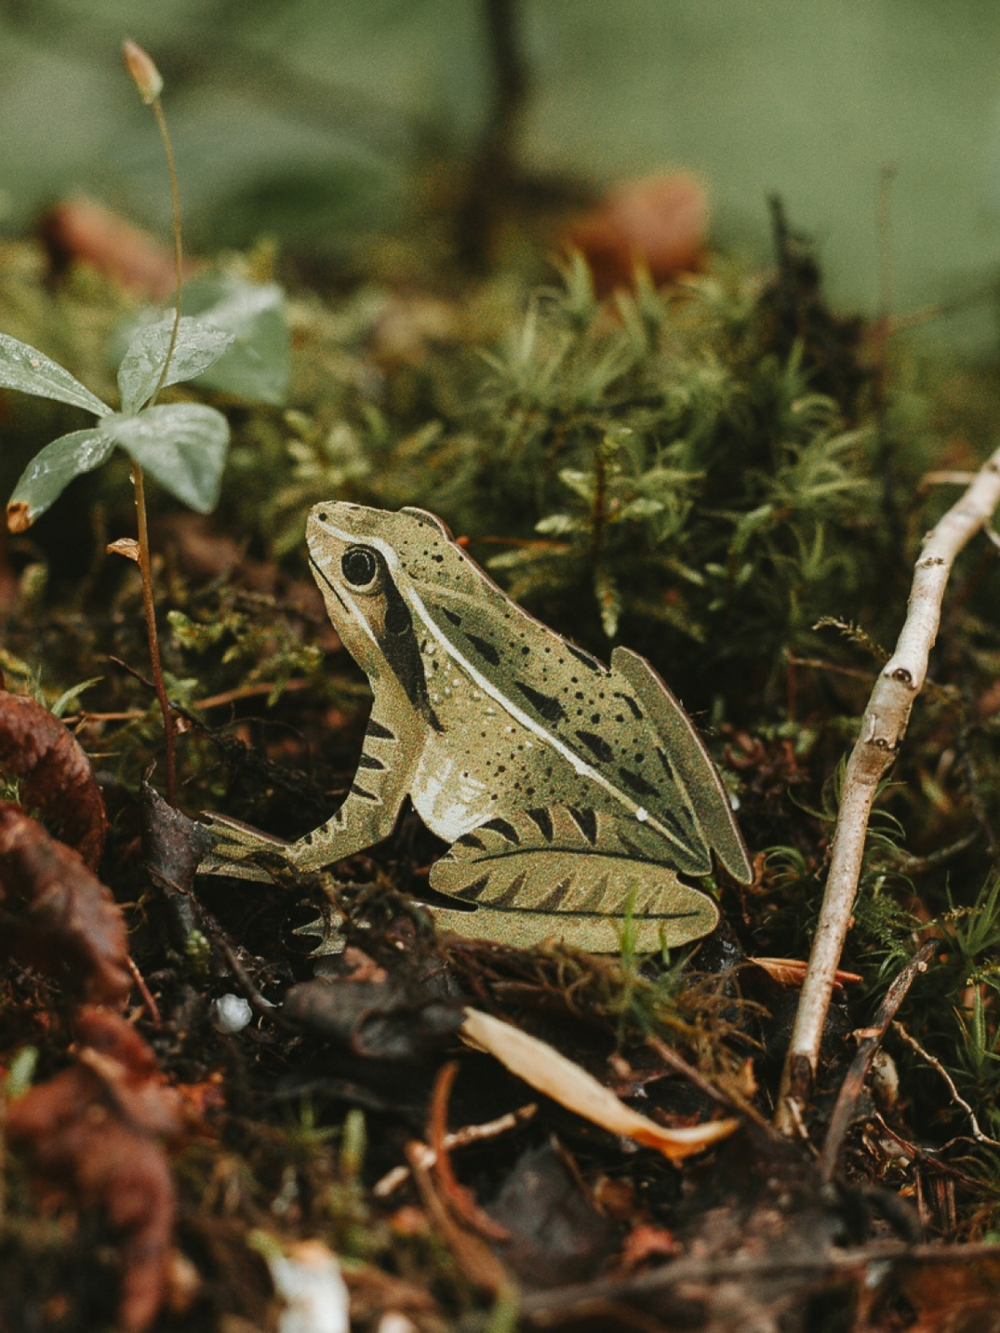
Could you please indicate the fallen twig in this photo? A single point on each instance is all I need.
(882, 728)
(876, 1264)
(938, 1067)
(459, 1138)
(850, 1089)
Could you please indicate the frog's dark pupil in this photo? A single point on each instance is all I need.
(359, 566)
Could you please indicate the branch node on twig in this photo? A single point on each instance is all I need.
(881, 733)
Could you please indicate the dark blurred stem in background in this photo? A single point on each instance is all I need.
(492, 170)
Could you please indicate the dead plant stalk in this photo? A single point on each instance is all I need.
(147, 79)
(882, 728)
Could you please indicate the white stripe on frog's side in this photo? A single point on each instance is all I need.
(391, 558)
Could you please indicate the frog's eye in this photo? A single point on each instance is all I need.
(359, 566)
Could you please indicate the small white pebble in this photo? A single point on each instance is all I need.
(230, 1013)
(642, 814)
(394, 1322)
(308, 1280)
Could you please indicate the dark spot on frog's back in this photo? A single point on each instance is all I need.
(636, 782)
(453, 616)
(597, 746)
(587, 659)
(484, 648)
(543, 704)
(630, 703)
(380, 732)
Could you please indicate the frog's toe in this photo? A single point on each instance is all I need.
(242, 852)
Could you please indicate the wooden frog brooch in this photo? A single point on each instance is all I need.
(573, 795)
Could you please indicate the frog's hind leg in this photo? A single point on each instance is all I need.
(367, 815)
(581, 874)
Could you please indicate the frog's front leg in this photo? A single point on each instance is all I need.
(367, 815)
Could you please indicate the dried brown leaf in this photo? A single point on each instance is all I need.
(91, 1139)
(659, 222)
(55, 775)
(792, 971)
(59, 916)
(79, 231)
(955, 1295)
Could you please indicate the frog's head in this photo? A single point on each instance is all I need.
(369, 563)
(378, 571)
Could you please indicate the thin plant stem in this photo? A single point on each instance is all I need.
(175, 200)
(145, 569)
(149, 611)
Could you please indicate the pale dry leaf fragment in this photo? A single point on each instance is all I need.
(544, 1068)
(126, 546)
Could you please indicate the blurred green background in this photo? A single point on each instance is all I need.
(315, 120)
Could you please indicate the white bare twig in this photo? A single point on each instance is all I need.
(882, 728)
(938, 1067)
(467, 1134)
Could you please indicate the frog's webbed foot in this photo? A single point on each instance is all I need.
(564, 871)
(243, 852)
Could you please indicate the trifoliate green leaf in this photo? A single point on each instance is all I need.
(182, 445)
(25, 368)
(51, 471)
(199, 345)
(256, 366)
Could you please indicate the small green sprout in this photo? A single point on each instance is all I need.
(182, 445)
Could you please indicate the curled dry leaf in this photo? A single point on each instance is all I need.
(126, 546)
(54, 773)
(792, 971)
(173, 845)
(80, 231)
(59, 916)
(544, 1068)
(659, 222)
(91, 1138)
